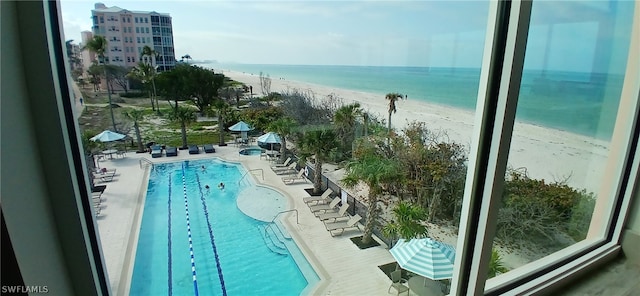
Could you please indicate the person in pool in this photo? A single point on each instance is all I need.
(221, 185)
(207, 188)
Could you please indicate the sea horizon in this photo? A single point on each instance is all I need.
(577, 102)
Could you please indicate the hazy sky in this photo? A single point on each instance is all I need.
(398, 33)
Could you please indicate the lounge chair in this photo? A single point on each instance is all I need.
(318, 199)
(397, 283)
(281, 165)
(156, 151)
(208, 148)
(171, 151)
(103, 177)
(325, 207)
(292, 179)
(288, 170)
(334, 214)
(194, 149)
(352, 223)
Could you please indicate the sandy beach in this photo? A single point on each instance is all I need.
(546, 153)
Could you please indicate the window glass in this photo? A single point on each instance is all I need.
(568, 104)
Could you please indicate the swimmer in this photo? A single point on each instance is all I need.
(203, 168)
(221, 185)
(207, 188)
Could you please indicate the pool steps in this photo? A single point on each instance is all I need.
(268, 241)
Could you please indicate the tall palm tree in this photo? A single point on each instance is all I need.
(345, 123)
(184, 116)
(146, 74)
(393, 98)
(408, 222)
(320, 144)
(136, 115)
(378, 173)
(283, 127)
(222, 108)
(152, 54)
(98, 45)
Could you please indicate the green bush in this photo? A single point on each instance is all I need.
(134, 95)
(578, 224)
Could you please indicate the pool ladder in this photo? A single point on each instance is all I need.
(274, 240)
(145, 162)
(249, 171)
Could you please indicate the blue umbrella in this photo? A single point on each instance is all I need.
(107, 136)
(269, 138)
(241, 127)
(426, 257)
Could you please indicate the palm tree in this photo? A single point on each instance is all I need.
(98, 45)
(345, 122)
(320, 144)
(222, 108)
(283, 127)
(184, 116)
(407, 224)
(186, 57)
(393, 98)
(152, 54)
(146, 74)
(377, 172)
(496, 266)
(136, 115)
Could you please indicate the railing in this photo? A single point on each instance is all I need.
(276, 216)
(144, 161)
(246, 173)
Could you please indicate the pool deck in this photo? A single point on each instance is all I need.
(343, 268)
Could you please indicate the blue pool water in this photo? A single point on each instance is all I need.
(233, 254)
(251, 151)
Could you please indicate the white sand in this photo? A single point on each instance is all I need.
(546, 153)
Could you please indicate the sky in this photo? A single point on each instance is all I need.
(371, 33)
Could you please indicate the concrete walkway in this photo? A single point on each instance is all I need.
(343, 268)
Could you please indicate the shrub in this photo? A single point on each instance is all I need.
(134, 95)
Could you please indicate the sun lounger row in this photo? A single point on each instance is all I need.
(329, 213)
(103, 175)
(295, 178)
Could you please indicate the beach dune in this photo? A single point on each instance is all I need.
(546, 153)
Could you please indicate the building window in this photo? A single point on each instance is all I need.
(136, 19)
(137, 30)
(146, 30)
(101, 19)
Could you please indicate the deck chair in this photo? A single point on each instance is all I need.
(352, 223)
(208, 148)
(292, 179)
(103, 177)
(156, 151)
(334, 214)
(194, 149)
(319, 209)
(290, 169)
(281, 165)
(318, 199)
(396, 283)
(170, 151)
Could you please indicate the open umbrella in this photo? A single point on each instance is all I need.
(426, 257)
(107, 136)
(269, 138)
(241, 127)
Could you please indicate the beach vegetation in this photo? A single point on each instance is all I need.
(204, 86)
(95, 73)
(320, 144)
(184, 116)
(118, 75)
(136, 116)
(408, 222)
(173, 85)
(146, 74)
(305, 108)
(222, 109)
(496, 264)
(261, 118)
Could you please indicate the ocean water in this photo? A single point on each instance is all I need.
(582, 103)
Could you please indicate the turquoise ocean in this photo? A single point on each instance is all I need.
(581, 103)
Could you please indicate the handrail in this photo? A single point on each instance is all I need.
(296, 210)
(144, 160)
(247, 172)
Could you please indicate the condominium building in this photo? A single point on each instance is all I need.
(128, 32)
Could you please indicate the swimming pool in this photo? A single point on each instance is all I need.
(251, 151)
(195, 241)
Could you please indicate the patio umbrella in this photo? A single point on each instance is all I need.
(426, 257)
(241, 127)
(107, 136)
(269, 138)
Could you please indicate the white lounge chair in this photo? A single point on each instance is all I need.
(334, 214)
(352, 223)
(319, 209)
(318, 199)
(291, 169)
(292, 179)
(281, 165)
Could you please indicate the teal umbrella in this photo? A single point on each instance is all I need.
(107, 136)
(426, 257)
(241, 127)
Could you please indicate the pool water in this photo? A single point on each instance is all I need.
(231, 254)
(251, 151)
